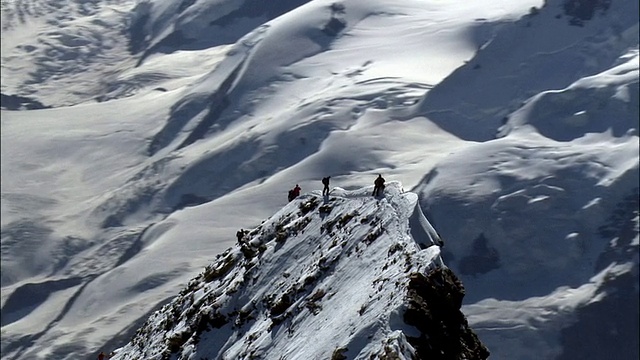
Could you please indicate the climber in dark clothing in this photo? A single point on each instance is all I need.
(378, 186)
(240, 235)
(325, 182)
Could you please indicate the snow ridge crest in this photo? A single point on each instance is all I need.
(335, 277)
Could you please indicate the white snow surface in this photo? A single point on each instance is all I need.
(174, 124)
(342, 262)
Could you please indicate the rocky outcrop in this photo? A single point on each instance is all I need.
(16, 102)
(434, 308)
(324, 278)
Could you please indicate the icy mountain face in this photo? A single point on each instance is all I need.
(167, 26)
(543, 51)
(334, 277)
(551, 204)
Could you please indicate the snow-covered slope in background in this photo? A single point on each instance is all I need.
(568, 158)
(516, 124)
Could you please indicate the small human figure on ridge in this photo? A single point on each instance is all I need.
(378, 186)
(295, 192)
(325, 182)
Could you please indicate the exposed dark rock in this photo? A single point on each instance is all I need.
(434, 309)
(15, 102)
(282, 305)
(219, 269)
(309, 205)
(338, 354)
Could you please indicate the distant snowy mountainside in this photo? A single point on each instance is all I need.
(540, 199)
(605, 102)
(162, 127)
(517, 60)
(167, 26)
(338, 276)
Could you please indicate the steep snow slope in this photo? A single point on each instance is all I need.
(548, 203)
(66, 53)
(109, 208)
(337, 276)
(516, 60)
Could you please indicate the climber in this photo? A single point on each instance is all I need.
(294, 193)
(325, 182)
(378, 186)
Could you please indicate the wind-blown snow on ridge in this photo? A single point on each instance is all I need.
(323, 276)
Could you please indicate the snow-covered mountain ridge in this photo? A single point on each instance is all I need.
(337, 277)
(163, 126)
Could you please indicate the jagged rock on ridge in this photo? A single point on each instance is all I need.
(336, 279)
